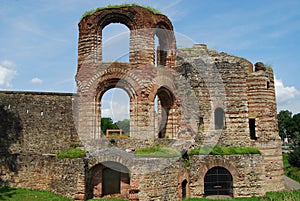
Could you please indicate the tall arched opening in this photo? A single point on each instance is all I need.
(218, 181)
(115, 43)
(115, 112)
(163, 102)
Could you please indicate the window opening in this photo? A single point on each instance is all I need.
(156, 51)
(115, 43)
(252, 129)
(115, 115)
(219, 119)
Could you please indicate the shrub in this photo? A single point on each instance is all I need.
(294, 157)
(220, 150)
(71, 153)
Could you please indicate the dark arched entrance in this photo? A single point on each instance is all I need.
(111, 182)
(218, 181)
(184, 189)
(108, 179)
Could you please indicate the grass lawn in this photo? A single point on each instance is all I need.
(13, 194)
(289, 170)
(271, 196)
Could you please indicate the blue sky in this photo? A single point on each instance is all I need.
(38, 38)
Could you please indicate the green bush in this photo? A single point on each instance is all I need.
(289, 170)
(71, 153)
(220, 150)
(294, 157)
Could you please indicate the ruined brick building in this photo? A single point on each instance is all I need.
(205, 98)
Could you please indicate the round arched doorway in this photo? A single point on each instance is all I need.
(218, 181)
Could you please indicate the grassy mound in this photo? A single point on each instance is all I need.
(13, 194)
(157, 152)
(71, 153)
(153, 10)
(219, 150)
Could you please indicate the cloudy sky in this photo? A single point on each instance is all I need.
(38, 38)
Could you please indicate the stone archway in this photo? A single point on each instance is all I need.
(218, 181)
(108, 179)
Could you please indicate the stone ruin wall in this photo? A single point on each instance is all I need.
(42, 123)
(34, 127)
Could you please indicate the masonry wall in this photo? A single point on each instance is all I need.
(34, 127)
(247, 171)
(65, 177)
(36, 123)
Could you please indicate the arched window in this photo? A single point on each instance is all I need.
(115, 111)
(115, 43)
(219, 118)
(218, 181)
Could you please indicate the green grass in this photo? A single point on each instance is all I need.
(157, 152)
(219, 150)
(71, 153)
(105, 200)
(153, 10)
(289, 170)
(12, 194)
(271, 196)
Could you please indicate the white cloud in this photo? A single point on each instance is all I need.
(36, 80)
(7, 73)
(285, 93)
(288, 97)
(115, 104)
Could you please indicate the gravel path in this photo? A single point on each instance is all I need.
(291, 184)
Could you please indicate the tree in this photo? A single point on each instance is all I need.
(107, 123)
(124, 125)
(286, 125)
(294, 157)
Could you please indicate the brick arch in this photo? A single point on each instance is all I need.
(221, 163)
(105, 18)
(165, 34)
(112, 155)
(99, 185)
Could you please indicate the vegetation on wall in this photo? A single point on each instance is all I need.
(153, 10)
(71, 153)
(220, 150)
(157, 151)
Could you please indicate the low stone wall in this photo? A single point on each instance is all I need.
(43, 172)
(247, 172)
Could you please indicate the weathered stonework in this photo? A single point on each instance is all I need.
(205, 98)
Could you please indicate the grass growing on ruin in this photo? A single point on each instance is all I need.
(157, 151)
(71, 153)
(220, 150)
(153, 10)
(289, 170)
(13, 194)
(270, 196)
